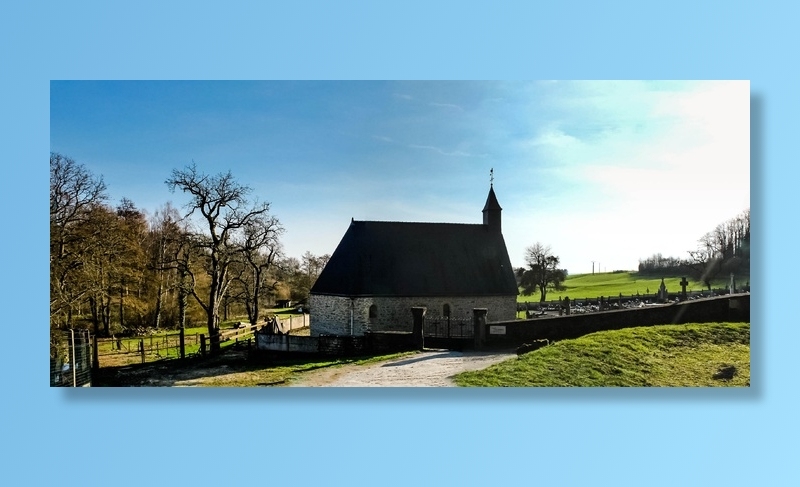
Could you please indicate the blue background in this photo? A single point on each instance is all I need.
(397, 437)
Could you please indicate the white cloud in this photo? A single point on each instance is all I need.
(638, 170)
(444, 152)
(447, 105)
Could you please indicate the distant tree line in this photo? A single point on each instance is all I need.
(720, 252)
(115, 267)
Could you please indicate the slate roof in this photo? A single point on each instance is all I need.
(418, 259)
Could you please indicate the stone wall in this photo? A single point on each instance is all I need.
(331, 315)
(370, 343)
(718, 309)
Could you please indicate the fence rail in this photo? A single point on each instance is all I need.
(152, 345)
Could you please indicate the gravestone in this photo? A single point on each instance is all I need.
(566, 305)
(662, 292)
(683, 284)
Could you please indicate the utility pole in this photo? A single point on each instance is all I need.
(592, 267)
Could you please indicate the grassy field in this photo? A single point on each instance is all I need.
(606, 284)
(692, 355)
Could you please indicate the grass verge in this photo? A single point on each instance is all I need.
(691, 355)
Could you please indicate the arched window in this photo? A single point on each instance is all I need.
(373, 312)
(446, 310)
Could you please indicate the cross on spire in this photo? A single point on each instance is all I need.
(491, 177)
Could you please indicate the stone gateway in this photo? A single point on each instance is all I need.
(380, 270)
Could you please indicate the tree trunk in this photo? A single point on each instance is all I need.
(159, 297)
(211, 314)
(183, 297)
(254, 317)
(95, 317)
(122, 304)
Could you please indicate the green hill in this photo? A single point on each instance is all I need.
(691, 355)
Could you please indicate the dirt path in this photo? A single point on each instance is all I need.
(432, 368)
(427, 369)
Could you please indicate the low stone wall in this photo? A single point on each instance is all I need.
(718, 309)
(329, 345)
(285, 325)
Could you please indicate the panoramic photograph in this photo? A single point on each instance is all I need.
(400, 233)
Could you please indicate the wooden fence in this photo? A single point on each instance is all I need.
(117, 351)
(127, 351)
(241, 333)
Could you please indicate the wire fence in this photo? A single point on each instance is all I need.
(70, 358)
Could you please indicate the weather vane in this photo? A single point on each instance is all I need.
(491, 177)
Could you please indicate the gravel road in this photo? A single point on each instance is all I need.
(427, 369)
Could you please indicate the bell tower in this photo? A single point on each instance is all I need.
(492, 210)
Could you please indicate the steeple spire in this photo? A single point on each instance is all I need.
(492, 210)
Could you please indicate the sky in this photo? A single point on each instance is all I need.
(604, 172)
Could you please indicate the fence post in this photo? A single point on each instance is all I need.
(418, 334)
(183, 343)
(202, 344)
(95, 354)
(74, 361)
(479, 326)
(141, 348)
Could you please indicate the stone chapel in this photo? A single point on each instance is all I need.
(380, 270)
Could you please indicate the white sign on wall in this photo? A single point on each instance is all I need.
(497, 329)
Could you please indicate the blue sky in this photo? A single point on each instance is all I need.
(609, 172)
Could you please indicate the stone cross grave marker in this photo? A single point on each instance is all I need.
(683, 284)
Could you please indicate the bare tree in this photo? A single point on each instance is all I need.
(542, 272)
(224, 209)
(260, 248)
(724, 250)
(74, 191)
(101, 257)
